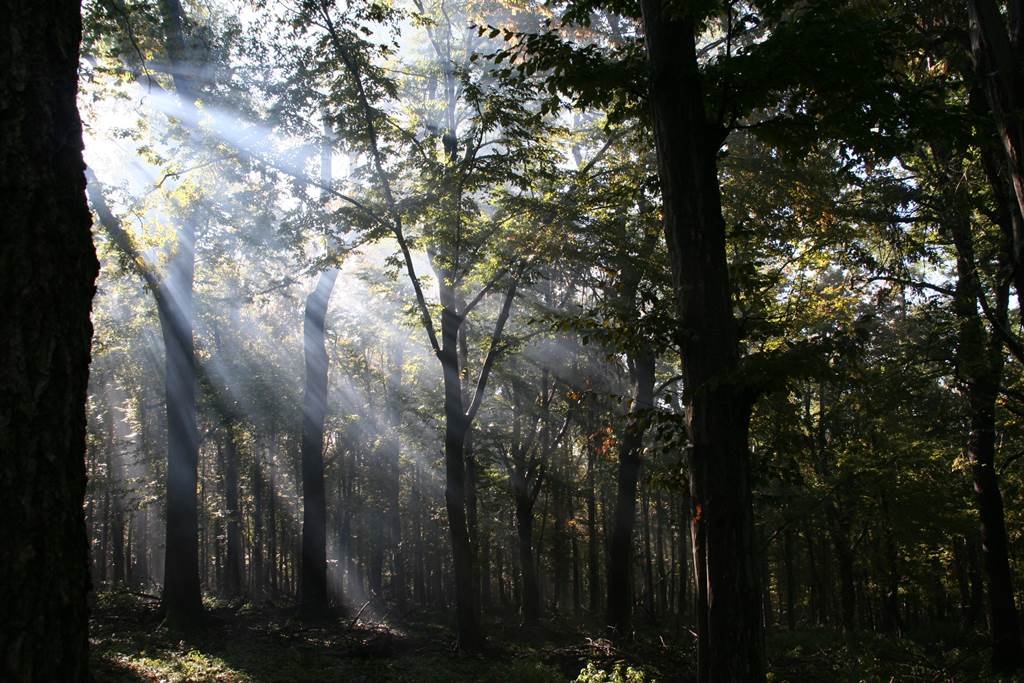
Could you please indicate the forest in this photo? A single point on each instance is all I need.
(596, 341)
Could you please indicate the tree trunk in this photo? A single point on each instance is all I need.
(593, 551)
(456, 429)
(182, 599)
(561, 545)
(117, 534)
(648, 559)
(891, 600)
(256, 561)
(313, 587)
(141, 573)
(839, 530)
(997, 56)
(659, 544)
(531, 582)
(392, 453)
(233, 559)
(49, 269)
(104, 544)
(789, 563)
(419, 583)
(486, 579)
(577, 574)
(718, 413)
(980, 368)
(620, 557)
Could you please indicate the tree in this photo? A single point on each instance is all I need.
(461, 237)
(49, 267)
(980, 363)
(731, 643)
(314, 408)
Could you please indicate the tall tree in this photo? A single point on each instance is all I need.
(314, 408)
(730, 628)
(49, 268)
(997, 49)
(314, 411)
(173, 294)
(980, 365)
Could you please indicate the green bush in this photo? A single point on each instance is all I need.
(620, 674)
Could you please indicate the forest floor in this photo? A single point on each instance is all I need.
(244, 643)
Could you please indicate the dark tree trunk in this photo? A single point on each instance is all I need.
(648, 559)
(204, 548)
(392, 453)
(456, 429)
(277, 562)
(593, 548)
(256, 564)
(980, 368)
(974, 577)
(233, 555)
(117, 534)
(839, 530)
(419, 583)
(313, 588)
(662, 578)
(891, 599)
(819, 601)
(104, 540)
(768, 608)
(685, 557)
(141, 535)
(49, 269)
(182, 599)
(789, 563)
(531, 583)
(472, 515)
(486, 578)
(620, 557)
(997, 55)
(113, 513)
(561, 544)
(577, 575)
(718, 416)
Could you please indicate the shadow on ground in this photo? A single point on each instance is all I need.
(243, 643)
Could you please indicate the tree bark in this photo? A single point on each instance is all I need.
(182, 600)
(593, 549)
(392, 453)
(718, 413)
(49, 269)
(839, 531)
(620, 557)
(980, 368)
(456, 428)
(182, 597)
(998, 60)
(531, 583)
(314, 498)
(789, 564)
(233, 554)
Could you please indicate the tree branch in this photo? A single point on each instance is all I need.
(122, 240)
(492, 352)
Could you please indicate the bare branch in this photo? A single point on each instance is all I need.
(492, 352)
